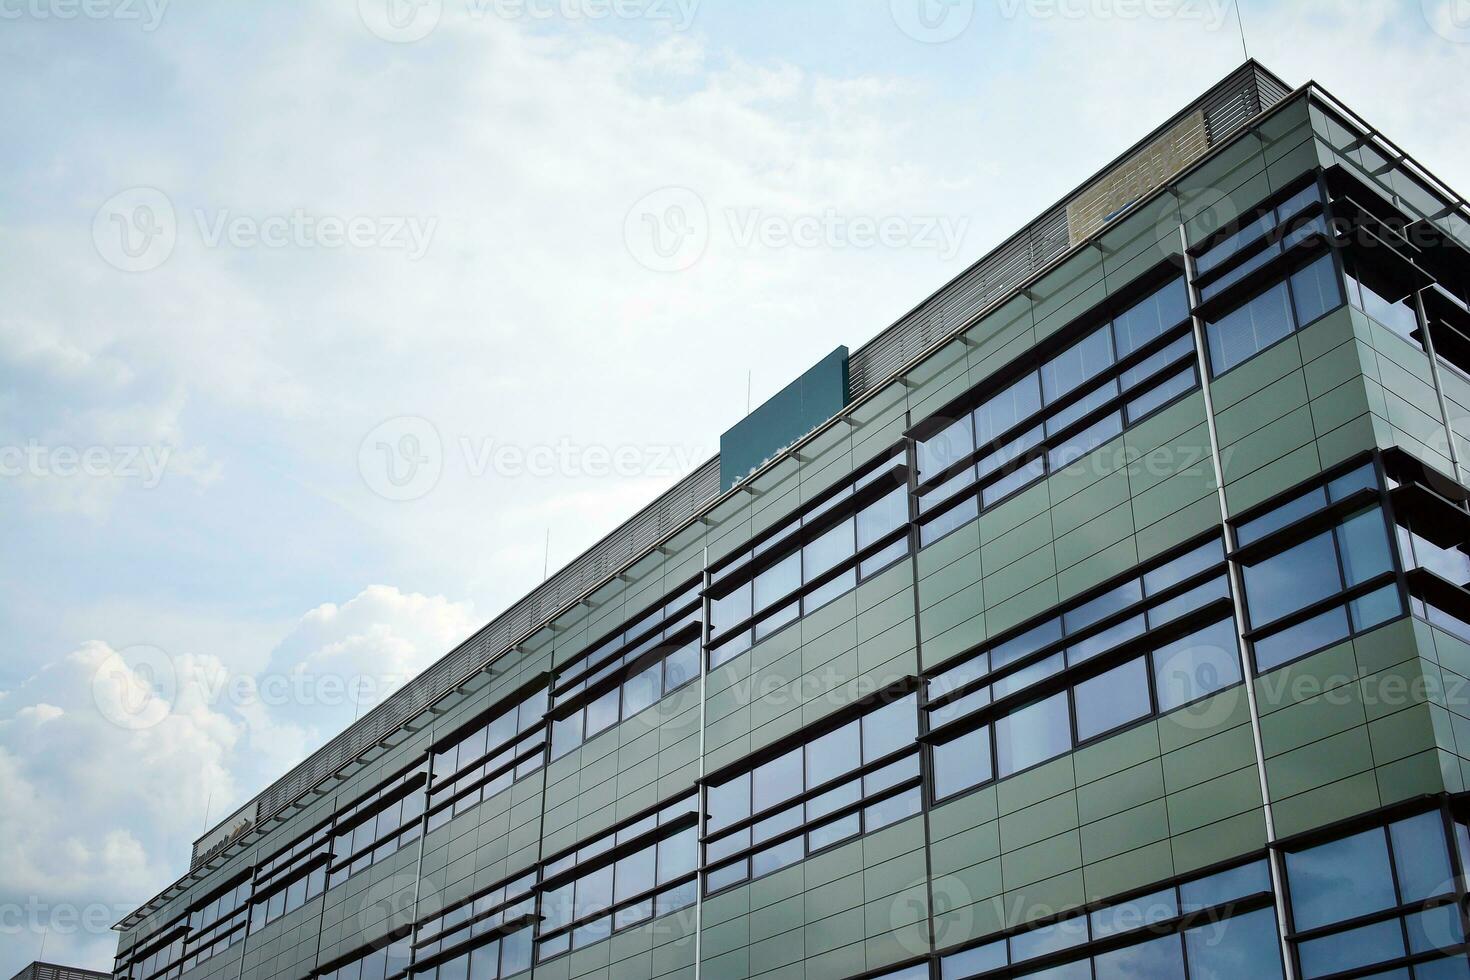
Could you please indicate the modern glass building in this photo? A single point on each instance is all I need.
(1112, 622)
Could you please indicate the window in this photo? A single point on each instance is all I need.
(1186, 597)
(816, 558)
(377, 825)
(1251, 328)
(1112, 699)
(1272, 315)
(1385, 291)
(843, 782)
(1084, 361)
(1377, 898)
(1196, 665)
(1032, 735)
(217, 924)
(656, 675)
(1003, 412)
(1136, 328)
(1320, 587)
(487, 934)
(1145, 938)
(962, 763)
(382, 963)
(487, 757)
(1222, 253)
(295, 876)
(1057, 411)
(640, 871)
(663, 627)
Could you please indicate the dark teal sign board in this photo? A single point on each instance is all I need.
(791, 413)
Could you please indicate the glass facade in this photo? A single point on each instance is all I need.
(998, 675)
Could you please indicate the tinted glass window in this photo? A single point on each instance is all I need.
(677, 855)
(1084, 360)
(594, 891)
(833, 755)
(1027, 643)
(1157, 959)
(682, 666)
(1297, 577)
(890, 728)
(777, 780)
(1150, 318)
(1006, 410)
(1196, 665)
(946, 448)
(1013, 481)
(728, 803)
(1240, 335)
(962, 763)
(1103, 606)
(643, 690)
(1086, 441)
(1184, 567)
(1275, 520)
(828, 551)
(781, 579)
(1049, 939)
(1340, 880)
(1226, 886)
(1421, 857)
(1086, 405)
(981, 959)
(882, 516)
(1245, 946)
(1164, 393)
(1135, 914)
(733, 608)
(1382, 293)
(1032, 735)
(1301, 639)
(1364, 543)
(1316, 290)
(1112, 699)
(1355, 948)
(635, 873)
(602, 713)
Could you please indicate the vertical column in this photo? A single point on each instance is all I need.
(1236, 591)
(704, 632)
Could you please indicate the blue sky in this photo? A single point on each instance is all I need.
(363, 239)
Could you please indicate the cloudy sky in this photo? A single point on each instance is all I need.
(316, 317)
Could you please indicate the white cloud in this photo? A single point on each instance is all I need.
(341, 660)
(112, 762)
(96, 815)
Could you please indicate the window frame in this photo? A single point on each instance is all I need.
(1325, 519)
(1103, 318)
(1452, 814)
(555, 873)
(1145, 644)
(789, 538)
(803, 827)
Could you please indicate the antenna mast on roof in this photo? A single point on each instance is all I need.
(1240, 23)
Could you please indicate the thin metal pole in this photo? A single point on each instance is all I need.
(1236, 591)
